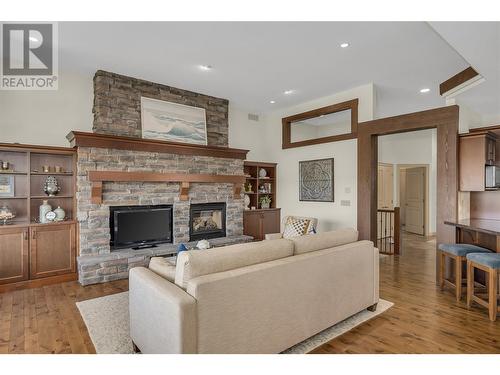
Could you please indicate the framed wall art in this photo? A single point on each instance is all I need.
(173, 122)
(6, 186)
(316, 180)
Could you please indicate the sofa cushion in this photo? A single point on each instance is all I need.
(296, 226)
(163, 267)
(194, 263)
(325, 240)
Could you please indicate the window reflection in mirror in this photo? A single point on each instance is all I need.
(322, 126)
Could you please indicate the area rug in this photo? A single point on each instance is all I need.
(107, 321)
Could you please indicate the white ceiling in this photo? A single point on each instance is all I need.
(479, 44)
(255, 62)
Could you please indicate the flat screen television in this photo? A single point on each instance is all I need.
(140, 226)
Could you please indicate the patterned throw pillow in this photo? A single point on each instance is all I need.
(296, 227)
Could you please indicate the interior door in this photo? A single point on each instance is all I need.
(385, 186)
(415, 200)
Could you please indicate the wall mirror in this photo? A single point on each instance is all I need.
(327, 124)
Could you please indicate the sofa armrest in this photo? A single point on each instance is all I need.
(273, 236)
(162, 315)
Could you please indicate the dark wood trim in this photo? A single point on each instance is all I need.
(37, 283)
(287, 123)
(457, 80)
(492, 128)
(36, 148)
(445, 119)
(83, 139)
(98, 177)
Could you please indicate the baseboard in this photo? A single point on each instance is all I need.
(37, 283)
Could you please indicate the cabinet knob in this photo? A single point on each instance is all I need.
(33, 234)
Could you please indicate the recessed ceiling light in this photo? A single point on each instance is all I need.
(33, 39)
(288, 92)
(344, 45)
(206, 67)
(272, 101)
(423, 91)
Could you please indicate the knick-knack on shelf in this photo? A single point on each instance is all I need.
(60, 214)
(44, 208)
(51, 186)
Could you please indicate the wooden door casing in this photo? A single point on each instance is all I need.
(52, 250)
(14, 265)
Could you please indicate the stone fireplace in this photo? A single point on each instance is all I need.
(117, 114)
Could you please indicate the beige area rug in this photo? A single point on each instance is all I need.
(107, 321)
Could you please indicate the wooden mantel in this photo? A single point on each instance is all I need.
(98, 177)
(84, 139)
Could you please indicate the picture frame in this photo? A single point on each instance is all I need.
(174, 122)
(6, 186)
(316, 180)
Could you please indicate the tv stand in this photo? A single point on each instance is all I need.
(140, 247)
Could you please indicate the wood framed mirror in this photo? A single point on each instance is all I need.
(332, 123)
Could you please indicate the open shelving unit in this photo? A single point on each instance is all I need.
(25, 166)
(261, 186)
(33, 253)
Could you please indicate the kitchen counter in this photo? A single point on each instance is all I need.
(481, 232)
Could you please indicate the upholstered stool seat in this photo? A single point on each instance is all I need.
(461, 249)
(457, 252)
(490, 264)
(491, 260)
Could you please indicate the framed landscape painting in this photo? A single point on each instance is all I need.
(173, 122)
(316, 180)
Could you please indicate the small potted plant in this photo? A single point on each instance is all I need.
(265, 201)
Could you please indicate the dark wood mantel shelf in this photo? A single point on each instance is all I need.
(84, 139)
(98, 177)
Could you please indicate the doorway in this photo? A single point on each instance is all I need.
(445, 120)
(414, 198)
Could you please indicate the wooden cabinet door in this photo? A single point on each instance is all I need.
(52, 250)
(251, 224)
(13, 255)
(270, 222)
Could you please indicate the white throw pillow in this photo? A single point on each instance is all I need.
(296, 227)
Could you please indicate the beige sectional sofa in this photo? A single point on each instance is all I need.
(260, 297)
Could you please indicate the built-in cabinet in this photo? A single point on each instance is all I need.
(258, 223)
(29, 250)
(14, 250)
(260, 182)
(477, 150)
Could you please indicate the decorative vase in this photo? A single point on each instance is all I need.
(60, 214)
(51, 186)
(6, 215)
(44, 208)
(264, 205)
(262, 173)
(247, 202)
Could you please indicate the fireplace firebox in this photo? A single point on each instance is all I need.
(207, 220)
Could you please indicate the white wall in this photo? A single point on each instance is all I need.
(248, 134)
(46, 117)
(418, 147)
(330, 215)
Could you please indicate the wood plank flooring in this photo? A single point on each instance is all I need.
(423, 320)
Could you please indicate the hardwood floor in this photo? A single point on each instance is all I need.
(423, 319)
(46, 320)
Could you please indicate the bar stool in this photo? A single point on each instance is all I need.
(458, 253)
(489, 263)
